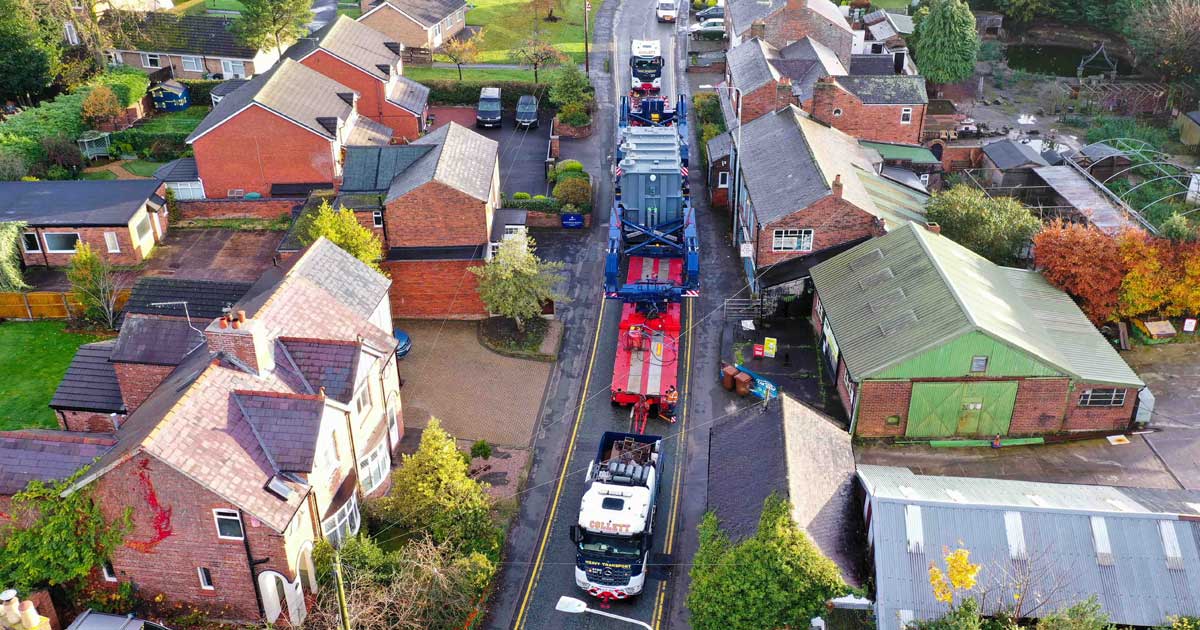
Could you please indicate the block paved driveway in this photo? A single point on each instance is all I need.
(522, 152)
(475, 393)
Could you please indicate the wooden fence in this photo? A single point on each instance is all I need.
(45, 304)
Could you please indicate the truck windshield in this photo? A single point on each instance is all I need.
(623, 546)
(666, 6)
(647, 64)
(489, 105)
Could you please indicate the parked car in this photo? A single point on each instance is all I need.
(403, 341)
(708, 29)
(712, 13)
(666, 11)
(527, 112)
(487, 113)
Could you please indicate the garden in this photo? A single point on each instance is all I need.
(26, 386)
(509, 24)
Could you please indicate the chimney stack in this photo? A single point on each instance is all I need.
(837, 186)
(242, 338)
(824, 99)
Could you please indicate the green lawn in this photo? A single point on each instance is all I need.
(98, 175)
(33, 358)
(892, 5)
(509, 22)
(417, 73)
(350, 11)
(142, 168)
(198, 7)
(181, 122)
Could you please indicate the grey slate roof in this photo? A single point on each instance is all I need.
(748, 66)
(755, 63)
(502, 217)
(1006, 154)
(206, 299)
(460, 159)
(287, 425)
(227, 86)
(366, 132)
(719, 146)
(891, 89)
(155, 340)
(325, 364)
(178, 170)
(1136, 582)
(46, 455)
(869, 64)
(426, 12)
(350, 40)
(743, 13)
(165, 32)
(1194, 117)
(409, 95)
(74, 203)
(946, 291)
(90, 383)
(372, 169)
(289, 89)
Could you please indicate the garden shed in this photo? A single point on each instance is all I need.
(170, 96)
(1189, 128)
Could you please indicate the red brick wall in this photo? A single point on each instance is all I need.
(87, 421)
(237, 208)
(769, 98)
(866, 122)
(138, 381)
(428, 289)
(372, 101)
(435, 215)
(255, 149)
(161, 555)
(796, 21)
(94, 236)
(834, 221)
(879, 400)
(1039, 406)
(1098, 418)
(955, 156)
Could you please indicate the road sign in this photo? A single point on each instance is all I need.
(770, 345)
(587, 6)
(758, 351)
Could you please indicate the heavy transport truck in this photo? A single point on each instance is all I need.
(645, 65)
(614, 533)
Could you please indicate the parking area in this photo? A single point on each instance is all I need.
(522, 151)
(1172, 372)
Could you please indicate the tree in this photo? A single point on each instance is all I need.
(774, 579)
(11, 278)
(264, 22)
(1149, 274)
(996, 228)
(95, 285)
(1164, 36)
(433, 492)
(576, 191)
(463, 50)
(569, 85)
(100, 106)
(25, 66)
(1177, 228)
(53, 537)
(537, 53)
(515, 282)
(1083, 261)
(946, 42)
(343, 229)
(545, 6)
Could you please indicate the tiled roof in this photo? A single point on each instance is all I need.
(227, 86)
(287, 425)
(1006, 154)
(352, 41)
(409, 95)
(719, 147)
(206, 299)
(872, 64)
(373, 168)
(156, 340)
(289, 89)
(461, 159)
(46, 455)
(367, 133)
(891, 89)
(426, 12)
(755, 63)
(178, 170)
(74, 203)
(743, 13)
(165, 32)
(914, 153)
(328, 364)
(90, 383)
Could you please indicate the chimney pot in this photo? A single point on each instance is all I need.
(321, 393)
(241, 316)
(237, 323)
(224, 322)
(837, 186)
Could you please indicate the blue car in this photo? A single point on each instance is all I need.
(404, 343)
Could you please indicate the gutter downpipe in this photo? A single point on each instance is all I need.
(251, 563)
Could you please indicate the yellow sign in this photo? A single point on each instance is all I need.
(770, 345)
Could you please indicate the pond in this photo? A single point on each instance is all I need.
(1057, 60)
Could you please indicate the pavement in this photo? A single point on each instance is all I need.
(324, 11)
(522, 151)
(1172, 372)
(499, 404)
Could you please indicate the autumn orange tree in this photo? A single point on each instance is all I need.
(1149, 264)
(1083, 261)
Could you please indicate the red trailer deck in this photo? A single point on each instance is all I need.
(648, 345)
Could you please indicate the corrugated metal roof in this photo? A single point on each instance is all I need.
(1139, 586)
(897, 204)
(949, 291)
(1086, 197)
(911, 152)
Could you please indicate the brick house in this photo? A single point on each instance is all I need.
(930, 340)
(259, 442)
(883, 108)
(434, 204)
(192, 46)
(769, 78)
(281, 132)
(805, 188)
(364, 60)
(121, 220)
(717, 177)
(416, 23)
(782, 22)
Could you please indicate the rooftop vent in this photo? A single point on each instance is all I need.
(347, 96)
(329, 123)
(876, 278)
(1015, 530)
(395, 47)
(914, 529)
(866, 259)
(279, 488)
(1170, 542)
(902, 321)
(1100, 541)
(384, 68)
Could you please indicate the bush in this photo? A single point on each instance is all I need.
(12, 166)
(100, 106)
(58, 173)
(574, 191)
(539, 197)
(521, 195)
(200, 90)
(573, 175)
(697, 5)
(574, 115)
(481, 450)
(127, 83)
(569, 165)
(61, 116)
(162, 146)
(540, 203)
(569, 85)
(446, 92)
(570, 209)
(708, 109)
(62, 152)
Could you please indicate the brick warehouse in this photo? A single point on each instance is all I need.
(276, 418)
(929, 340)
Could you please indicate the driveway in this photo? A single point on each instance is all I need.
(214, 254)
(522, 151)
(474, 392)
(1172, 372)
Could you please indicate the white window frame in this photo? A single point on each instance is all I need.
(112, 242)
(437, 31)
(25, 244)
(219, 514)
(71, 33)
(348, 515)
(981, 370)
(393, 418)
(106, 569)
(46, 241)
(227, 69)
(196, 63)
(144, 223)
(460, 15)
(362, 400)
(792, 240)
(1096, 397)
(205, 576)
(146, 60)
(111, 57)
(377, 218)
(447, 22)
(906, 116)
(723, 179)
(374, 468)
(924, 179)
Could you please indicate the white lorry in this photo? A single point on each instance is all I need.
(645, 65)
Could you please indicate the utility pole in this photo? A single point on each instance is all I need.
(587, 63)
(341, 589)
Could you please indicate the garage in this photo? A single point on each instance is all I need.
(964, 409)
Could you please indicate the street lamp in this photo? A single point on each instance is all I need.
(735, 180)
(577, 606)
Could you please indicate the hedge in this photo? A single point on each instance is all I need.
(129, 84)
(442, 92)
(546, 204)
(166, 145)
(200, 90)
